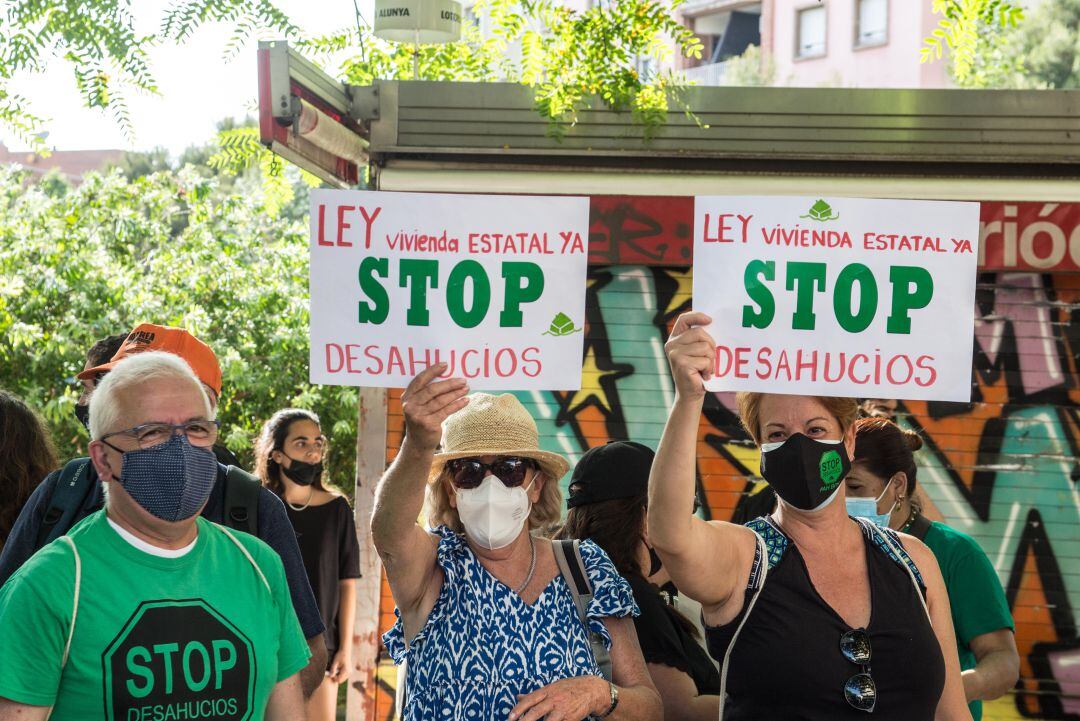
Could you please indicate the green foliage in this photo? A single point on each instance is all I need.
(239, 149)
(569, 57)
(99, 40)
(1041, 53)
(78, 264)
(247, 17)
(750, 69)
(108, 58)
(959, 30)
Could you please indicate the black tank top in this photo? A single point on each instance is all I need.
(786, 664)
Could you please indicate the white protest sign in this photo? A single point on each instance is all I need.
(838, 296)
(494, 286)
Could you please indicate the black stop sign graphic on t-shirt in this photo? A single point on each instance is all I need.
(178, 661)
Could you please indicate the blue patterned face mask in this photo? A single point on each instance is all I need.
(171, 481)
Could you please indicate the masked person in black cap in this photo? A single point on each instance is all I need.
(813, 615)
(607, 505)
(289, 460)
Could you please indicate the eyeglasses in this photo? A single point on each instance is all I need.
(200, 433)
(469, 473)
(859, 691)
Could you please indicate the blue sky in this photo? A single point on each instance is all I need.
(198, 87)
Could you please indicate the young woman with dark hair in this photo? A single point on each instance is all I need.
(607, 505)
(289, 460)
(29, 456)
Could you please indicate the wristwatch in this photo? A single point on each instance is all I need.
(614, 701)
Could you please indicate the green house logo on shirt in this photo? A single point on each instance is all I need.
(178, 661)
(830, 468)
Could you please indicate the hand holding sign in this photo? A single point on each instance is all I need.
(691, 352)
(427, 402)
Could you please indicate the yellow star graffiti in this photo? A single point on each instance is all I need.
(684, 288)
(747, 456)
(591, 374)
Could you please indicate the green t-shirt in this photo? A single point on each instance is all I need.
(156, 639)
(975, 594)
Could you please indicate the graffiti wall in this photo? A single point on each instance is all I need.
(1003, 468)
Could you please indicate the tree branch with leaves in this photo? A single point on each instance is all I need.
(959, 28)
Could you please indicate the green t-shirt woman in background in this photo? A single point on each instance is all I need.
(879, 487)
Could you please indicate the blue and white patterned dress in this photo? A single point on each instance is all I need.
(482, 645)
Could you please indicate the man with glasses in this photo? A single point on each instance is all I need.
(145, 610)
(47, 515)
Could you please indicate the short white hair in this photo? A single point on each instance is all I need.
(135, 371)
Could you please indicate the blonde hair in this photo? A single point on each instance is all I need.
(844, 410)
(438, 511)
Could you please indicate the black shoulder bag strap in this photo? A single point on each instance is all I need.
(241, 511)
(568, 556)
(68, 497)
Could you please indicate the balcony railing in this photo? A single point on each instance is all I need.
(709, 75)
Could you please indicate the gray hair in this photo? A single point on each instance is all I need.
(135, 371)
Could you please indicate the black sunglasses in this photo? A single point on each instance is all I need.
(469, 473)
(859, 691)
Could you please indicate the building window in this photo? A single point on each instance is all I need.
(873, 23)
(810, 23)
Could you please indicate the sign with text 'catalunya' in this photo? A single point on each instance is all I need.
(838, 296)
(494, 286)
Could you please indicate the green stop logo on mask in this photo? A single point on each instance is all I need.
(178, 661)
(830, 469)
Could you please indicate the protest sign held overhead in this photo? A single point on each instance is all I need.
(493, 286)
(838, 296)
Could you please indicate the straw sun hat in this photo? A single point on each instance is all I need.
(495, 426)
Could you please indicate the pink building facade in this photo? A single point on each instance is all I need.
(841, 43)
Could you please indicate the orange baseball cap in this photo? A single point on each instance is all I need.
(179, 342)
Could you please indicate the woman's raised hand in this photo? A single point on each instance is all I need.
(427, 402)
(691, 354)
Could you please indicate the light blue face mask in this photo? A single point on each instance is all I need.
(867, 508)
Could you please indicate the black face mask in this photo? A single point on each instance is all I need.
(655, 564)
(805, 473)
(301, 473)
(82, 412)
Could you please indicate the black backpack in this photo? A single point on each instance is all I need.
(74, 485)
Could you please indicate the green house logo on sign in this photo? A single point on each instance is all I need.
(561, 325)
(830, 468)
(821, 211)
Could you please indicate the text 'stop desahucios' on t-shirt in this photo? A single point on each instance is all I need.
(206, 635)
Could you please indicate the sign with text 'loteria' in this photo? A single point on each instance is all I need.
(838, 296)
(494, 286)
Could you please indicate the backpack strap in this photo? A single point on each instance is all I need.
(887, 541)
(74, 611)
(247, 555)
(241, 510)
(776, 543)
(68, 497)
(572, 567)
(759, 571)
(75, 602)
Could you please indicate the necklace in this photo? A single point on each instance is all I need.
(307, 503)
(532, 567)
(910, 520)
